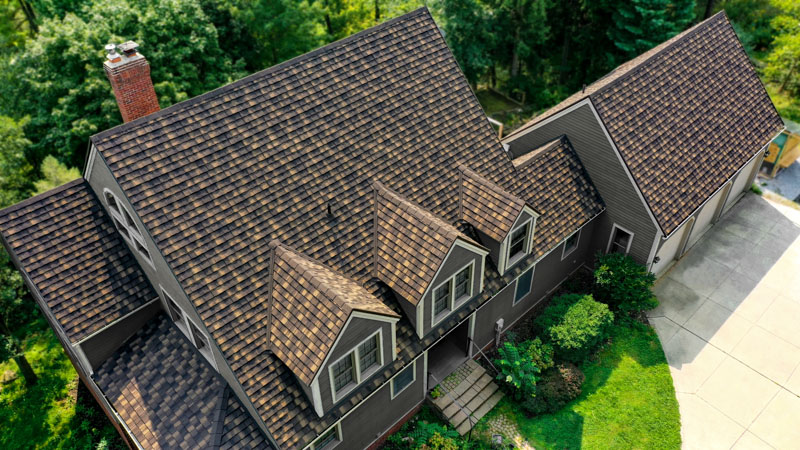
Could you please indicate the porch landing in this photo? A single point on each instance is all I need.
(469, 390)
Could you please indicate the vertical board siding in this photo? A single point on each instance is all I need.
(623, 205)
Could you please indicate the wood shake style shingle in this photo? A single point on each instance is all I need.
(410, 244)
(157, 376)
(487, 206)
(292, 154)
(309, 307)
(71, 253)
(685, 117)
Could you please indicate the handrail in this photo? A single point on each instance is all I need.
(463, 409)
(484, 356)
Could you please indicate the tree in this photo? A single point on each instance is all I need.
(520, 26)
(59, 82)
(639, 25)
(281, 29)
(467, 34)
(54, 174)
(15, 307)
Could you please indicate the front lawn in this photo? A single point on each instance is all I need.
(627, 402)
(55, 412)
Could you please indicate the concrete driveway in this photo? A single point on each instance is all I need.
(729, 323)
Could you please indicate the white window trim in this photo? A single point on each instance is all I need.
(133, 235)
(453, 302)
(510, 262)
(334, 444)
(611, 238)
(564, 251)
(359, 378)
(186, 329)
(413, 380)
(514, 301)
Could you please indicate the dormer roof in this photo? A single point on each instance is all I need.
(309, 306)
(488, 207)
(410, 243)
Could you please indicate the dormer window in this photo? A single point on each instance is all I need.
(452, 293)
(518, 243)
(126, 226)
(356, 366)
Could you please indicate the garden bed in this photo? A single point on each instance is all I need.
(628, 401)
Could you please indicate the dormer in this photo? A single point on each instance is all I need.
(433, 268)
(327, 329)
(505, 223)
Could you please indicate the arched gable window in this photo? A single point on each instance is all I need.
(126, 226)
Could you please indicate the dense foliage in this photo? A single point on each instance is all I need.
(558, 386)
(520, 366)
(575, 325)
(623, 284)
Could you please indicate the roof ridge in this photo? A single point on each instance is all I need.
(42, 196)
(439, 222)
(647, 56)
(658, 49)
(487, 182)
(145, 120)
(523, 161)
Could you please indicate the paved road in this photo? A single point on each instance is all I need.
(729, 323)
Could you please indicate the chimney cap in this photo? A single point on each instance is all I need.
(112, 55)
(129, 48)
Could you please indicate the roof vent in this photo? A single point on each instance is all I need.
(329, 208)
(112, 55)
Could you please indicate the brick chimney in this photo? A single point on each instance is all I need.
(129, 74)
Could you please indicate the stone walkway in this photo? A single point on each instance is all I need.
(729, 323)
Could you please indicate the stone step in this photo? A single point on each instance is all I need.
(475, 404)
(487, 406)
(468, 395)
(471, 379)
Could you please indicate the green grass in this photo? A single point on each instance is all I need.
(627, 402)
(54, 413)
(494, 103)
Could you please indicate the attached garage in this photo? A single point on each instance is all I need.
(709, 214)
(742, 181)
(671, 249)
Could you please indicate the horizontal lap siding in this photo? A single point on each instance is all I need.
(376, 415)
(623, 204)
(549, 273)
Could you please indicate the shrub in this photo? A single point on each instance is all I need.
(756, 189)
(416, 434)
(557, 387)
(623, 284)
(520, 365)
(575, 325)
(439, 442)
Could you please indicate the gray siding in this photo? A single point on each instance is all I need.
(550, 271)
(101, 178)
(102, 345)
(458, 258)
(623, 204)
(357, 330)
(375, 416)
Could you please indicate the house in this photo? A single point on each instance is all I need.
(671, 140)
(273, 263)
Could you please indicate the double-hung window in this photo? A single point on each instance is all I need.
(126, 226)
(404, 379)
(356, 366)
(192, 332)
(452, 292)
(518, 243)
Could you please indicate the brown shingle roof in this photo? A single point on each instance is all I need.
(215, 178)
(560, 189)
(170, 397)
(310, 305)
(487, 206)
(685, 116)
(410, 244)
(69, 248)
